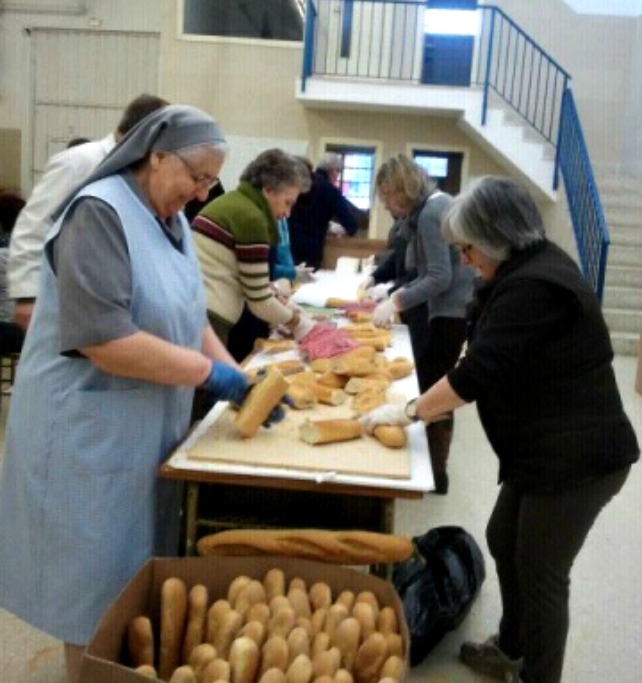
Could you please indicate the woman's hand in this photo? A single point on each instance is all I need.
(226, 383)
(383, 313)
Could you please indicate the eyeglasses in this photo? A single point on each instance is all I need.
(199, 179)
(463, 248)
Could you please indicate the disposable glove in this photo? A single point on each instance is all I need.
(278, 412)
(387, 414)
(379, 292)
(303, 274)
(367, 283)
(282, 288)
(226, 383)
(336, 229)
(383, 313)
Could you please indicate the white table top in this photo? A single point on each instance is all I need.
(328, 284)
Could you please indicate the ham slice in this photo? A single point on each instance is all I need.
(326, 341)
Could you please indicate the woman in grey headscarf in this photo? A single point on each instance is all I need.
(118, 342)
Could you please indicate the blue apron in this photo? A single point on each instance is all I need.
(80, 502)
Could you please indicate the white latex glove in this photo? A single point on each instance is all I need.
(336, 229)
(304, 274)
(303, 327)
(379, 292)
(362, 289)
(383, 313)
(387, 414)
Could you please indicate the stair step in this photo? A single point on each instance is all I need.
(623, 320)
(625, 343)
(623, 255)
(624, 219)
(623, 276)
(623, 297)
(626, 235)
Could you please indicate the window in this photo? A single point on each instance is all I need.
(265, 20)
(443, 167)
(356, 179)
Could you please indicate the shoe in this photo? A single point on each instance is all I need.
(487, 658)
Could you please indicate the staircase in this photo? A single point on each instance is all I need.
(622, 304)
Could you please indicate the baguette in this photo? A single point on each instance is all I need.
(338, 547)
(274, 345)
(140, 640)
(332, 379)
(400, 367)
(263, 397)
(302, 396)
(392, 436)
(354, 367)
(368, 400)
(357, 385)
(327, 395)
(173, 608)
(197, 601)
(329, 431)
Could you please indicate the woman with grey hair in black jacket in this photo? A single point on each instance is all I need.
(539, 366)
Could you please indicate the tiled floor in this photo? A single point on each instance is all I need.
(605, 643)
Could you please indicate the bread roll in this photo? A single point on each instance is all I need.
(302, 396)
(173, 609)
(320, 595)
(338, 547)
(332, 379)
(197, 601)
(328, 395)
(368, 400)
(274, 583)
(183, 674)
(262, 398)
(274, 345)
(370, 658)
(392, 436)
(140, 641)
(244, 660)
(274, 654)
(329, 431)
(357, 385)
(353, 367)
(400, 367)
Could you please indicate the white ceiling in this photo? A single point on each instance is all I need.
(630, 8)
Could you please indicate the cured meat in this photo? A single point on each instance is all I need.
(326, 341)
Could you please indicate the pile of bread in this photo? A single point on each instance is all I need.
(361, 376)
(269, 631)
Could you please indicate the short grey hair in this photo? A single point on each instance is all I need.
(277, 170)
(330, 161)
(496, 215)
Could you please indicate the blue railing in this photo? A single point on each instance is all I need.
(384, 40)
(587, 216)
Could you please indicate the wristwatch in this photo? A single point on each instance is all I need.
(411, 410)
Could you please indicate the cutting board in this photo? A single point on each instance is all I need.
(280, 447)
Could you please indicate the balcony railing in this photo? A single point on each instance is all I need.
(384, 40)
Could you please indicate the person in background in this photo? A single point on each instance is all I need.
(314, 210)
(433, 304)
(539, 366)
(234, 235)
(64, 171)
(194, 206)
(118, 341)
(11, 336)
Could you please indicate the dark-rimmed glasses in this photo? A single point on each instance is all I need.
(199, 179)
(463, 248)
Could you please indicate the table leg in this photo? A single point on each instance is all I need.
(191, 512)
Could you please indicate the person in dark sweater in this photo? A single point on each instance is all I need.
(539, 366)
(311, 215)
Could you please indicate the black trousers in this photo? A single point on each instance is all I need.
(534, 540)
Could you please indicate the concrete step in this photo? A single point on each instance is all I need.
(628, 235)
(623, 276)
(625, 343)
(623, 320)
(623, 255)
(623, 297)
(619, 218)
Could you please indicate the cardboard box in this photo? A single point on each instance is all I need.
(141, 596)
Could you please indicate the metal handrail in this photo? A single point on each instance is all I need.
(587, 215)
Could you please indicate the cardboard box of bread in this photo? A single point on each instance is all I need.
(263, 619)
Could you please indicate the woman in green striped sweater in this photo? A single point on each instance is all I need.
(233, 235)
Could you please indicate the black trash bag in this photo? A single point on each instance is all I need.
(438, 585)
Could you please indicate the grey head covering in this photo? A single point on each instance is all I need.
(169, 129)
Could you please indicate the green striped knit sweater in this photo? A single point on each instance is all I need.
(232, 236)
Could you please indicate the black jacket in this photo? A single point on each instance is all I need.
(310, 216)
(539, 365)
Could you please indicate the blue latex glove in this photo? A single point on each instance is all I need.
(226, 383)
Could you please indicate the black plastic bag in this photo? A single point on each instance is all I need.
(438, 586)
